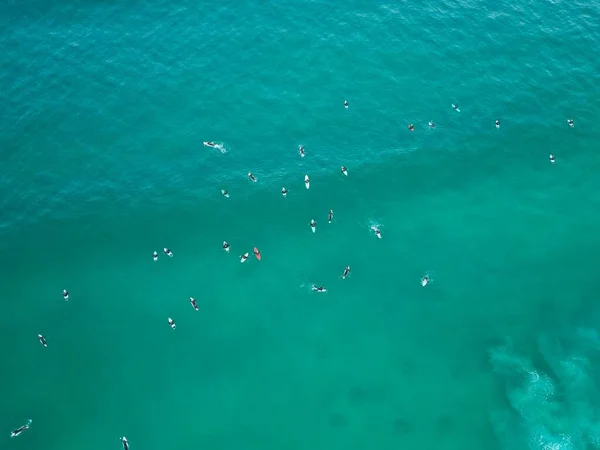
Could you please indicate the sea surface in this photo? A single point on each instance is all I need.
(104, 110)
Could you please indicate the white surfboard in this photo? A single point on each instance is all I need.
(306, 181)
(210, 144)
(345, 171)
(244, 257)
(313, 227)
(455, 107)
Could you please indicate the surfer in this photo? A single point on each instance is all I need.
(19, 430)
(257, 253)
(125, 441)
(42, 340)
(376, 231)
(344, 170)
(346, 272)
(66, 295)
(425, 280)
(571, 122)
(284, 192)
(497, 124)
(455, 108)
(431, 124)
(313, 225)
(155, 256)
(224, 193)
(168, 252)
(552, 159)
(330, 215)
(301, 151)
(346, 104)
(194, 304)
(226, 246)
(244, 257)
(318, 289)
(172, 323)
(252, 177)
(306, 181)
(210, 144)
(411, 127)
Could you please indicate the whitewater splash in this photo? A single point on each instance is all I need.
(553, 406)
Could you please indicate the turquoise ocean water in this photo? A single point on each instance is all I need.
(104, 110)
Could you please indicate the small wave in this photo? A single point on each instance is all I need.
(549, 411)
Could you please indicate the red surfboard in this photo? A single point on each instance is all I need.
(257, 253)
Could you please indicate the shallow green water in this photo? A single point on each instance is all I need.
(105, 111)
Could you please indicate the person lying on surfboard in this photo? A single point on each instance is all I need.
(376, 231)
(346, 272)
(226, 246)
(318, 289)
(257, 253)
(125, 443)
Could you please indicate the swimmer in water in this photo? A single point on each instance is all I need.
(552, 159)
(344, 170)
(224, 193)
(168, 252)
(284, 192)
(346, 272)
(330, 215)
(172, 323)
(431, 124)
(252, 178)
(42, 340)
(194, 304)
(497, 124)
(346, 104)
(571, 122)
(19, 430)
(376, 231)
(318, 289)
(66, 295)
(226, 246)
(155, 256)
(125, 441)
(411, 127)
(301, 151)
(244, 257)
